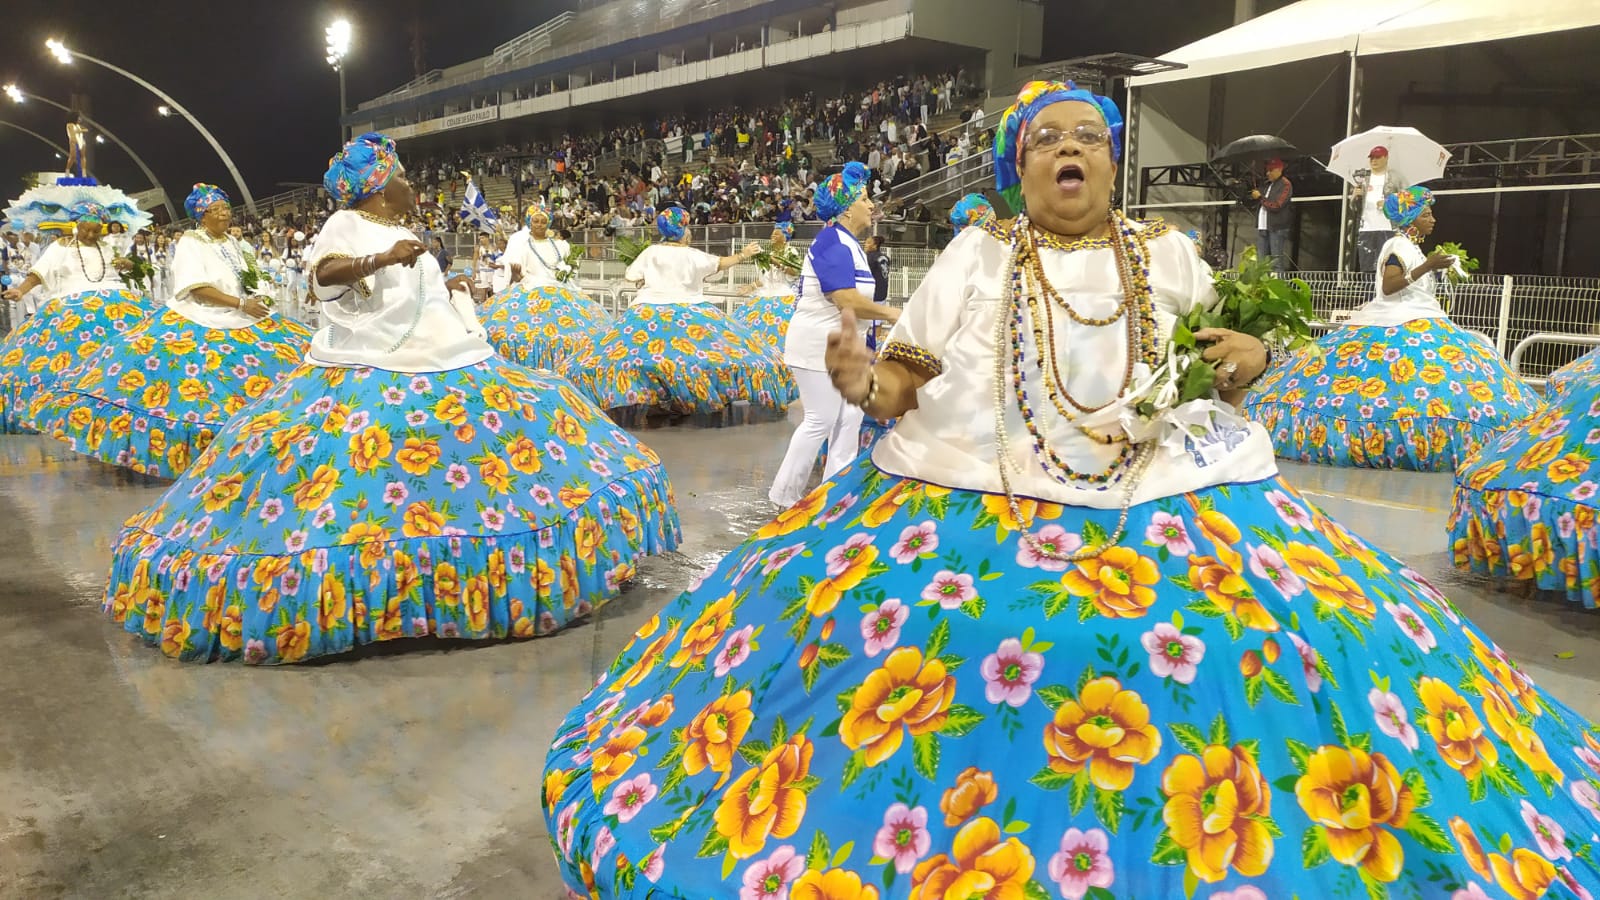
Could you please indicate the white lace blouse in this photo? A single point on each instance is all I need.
(67, 269)
(203, 261)
(949, 326)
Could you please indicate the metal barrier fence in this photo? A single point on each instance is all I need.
(1538, 322)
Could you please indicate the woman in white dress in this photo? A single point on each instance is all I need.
(542, 319)
(1398, 386)
(88, 302)
(771, 305)
(403, 482)
(153, 397)
(676, 349)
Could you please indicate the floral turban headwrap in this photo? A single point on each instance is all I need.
(202, 198)
(88, 211)
(1032, 100)
(841, 190)
(970, 210)
(672, 222)
(537, 207)
(361, 169)
(1404, 207)
(784, 227)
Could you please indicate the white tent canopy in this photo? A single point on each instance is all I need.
(1313, 28)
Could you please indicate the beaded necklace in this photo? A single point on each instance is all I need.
(223, 245)
(1132, 257)
(99, 251)
(549, 267)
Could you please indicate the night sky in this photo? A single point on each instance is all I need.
(255, 74)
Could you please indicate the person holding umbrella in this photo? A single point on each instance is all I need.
(1371, 191)
(1272, 222)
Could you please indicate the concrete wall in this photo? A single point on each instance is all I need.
(1004, 28)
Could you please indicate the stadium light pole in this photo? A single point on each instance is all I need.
(18, 95)
(65, 55)
(61, 152)
(338, 35)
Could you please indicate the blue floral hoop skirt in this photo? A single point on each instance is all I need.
(1420, 396)
(884, 694)
(1583, 369)
(67, 331)
(767, 316)
(350, 506)
(152, 398)
(688, 358)
(1525, 505)
(544, 327)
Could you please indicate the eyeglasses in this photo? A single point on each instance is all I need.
(1047, 138)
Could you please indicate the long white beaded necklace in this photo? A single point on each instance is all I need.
(234, 260)
(549, 267)
(1128, 479)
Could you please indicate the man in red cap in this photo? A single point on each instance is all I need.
(1369, 192)
(1275, 217)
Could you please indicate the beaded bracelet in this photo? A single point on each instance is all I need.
(872, 392)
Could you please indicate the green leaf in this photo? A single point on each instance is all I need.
(1314, 847)
(1093, 534)
(853, 767)
(1287, 783)
(1080, 791)
(817, 858)
(1219, 731)
(1477, 787)
(1280, 687)
(1189, 737)
(1376, 890)
(1428, 833)
(1191, 883)
(753, 752)
(974, 608)
(937, 640)
(1053, 695)
(1033, 890)
(780, 731)
(1339, 729)
(832, 654)
(1253, 689)
(925, 756)
(1108, 808)
(843, 853)
(1084, 679)
(1299, 753)
(960, 721)
(714, 844)
(1050, 779)
(1086, 610)
(1098, 893)
(1168, 853)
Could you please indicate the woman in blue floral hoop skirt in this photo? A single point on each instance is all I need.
(675, 350)
(82, 276)
(1025, 651)
(1399, 386)
(542, 319)
(153, 397)
(768, 311)
(403, 482)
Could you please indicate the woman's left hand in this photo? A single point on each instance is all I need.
(122, 264)
(1239, 358)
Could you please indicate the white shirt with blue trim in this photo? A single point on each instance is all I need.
(835, 261)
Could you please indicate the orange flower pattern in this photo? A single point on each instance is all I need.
(687, 358)
(349, 506)
(767, 315)
(544, 327)
(67, 331)
(201, 376)
(1525, 506)
(1242, 694)
(1420, 396)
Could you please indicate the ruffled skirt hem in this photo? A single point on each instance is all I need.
(1415, 444)
(1556, 548)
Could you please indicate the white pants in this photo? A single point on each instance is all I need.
(827, 418)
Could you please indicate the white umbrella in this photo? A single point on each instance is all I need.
(1413, 155)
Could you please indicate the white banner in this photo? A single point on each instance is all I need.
(475, 117)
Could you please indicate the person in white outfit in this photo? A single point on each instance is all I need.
(835, 277)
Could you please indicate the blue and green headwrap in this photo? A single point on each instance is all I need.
(88, 211)
(1404, 207)
(970, 210)
(784, 227)
(672, 222)
(202, 198)
(1012, 133)
(361, 169)
(537, 206)
(841, 190)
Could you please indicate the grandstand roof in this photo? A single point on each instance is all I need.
(1313, 28)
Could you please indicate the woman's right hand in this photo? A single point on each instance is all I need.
(403, 253)
(849, 360)
(1439, 260)
(12, 294)
(256, 307)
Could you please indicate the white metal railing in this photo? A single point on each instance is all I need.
(1520, 352)
(529, 42)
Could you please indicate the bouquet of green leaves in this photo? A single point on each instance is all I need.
(629, 248)
(251, 277)
(567, 268)
(139, 274)
(1251, 300)
(788, 259)
(1465, 263)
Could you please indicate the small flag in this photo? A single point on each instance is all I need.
(475, 210)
